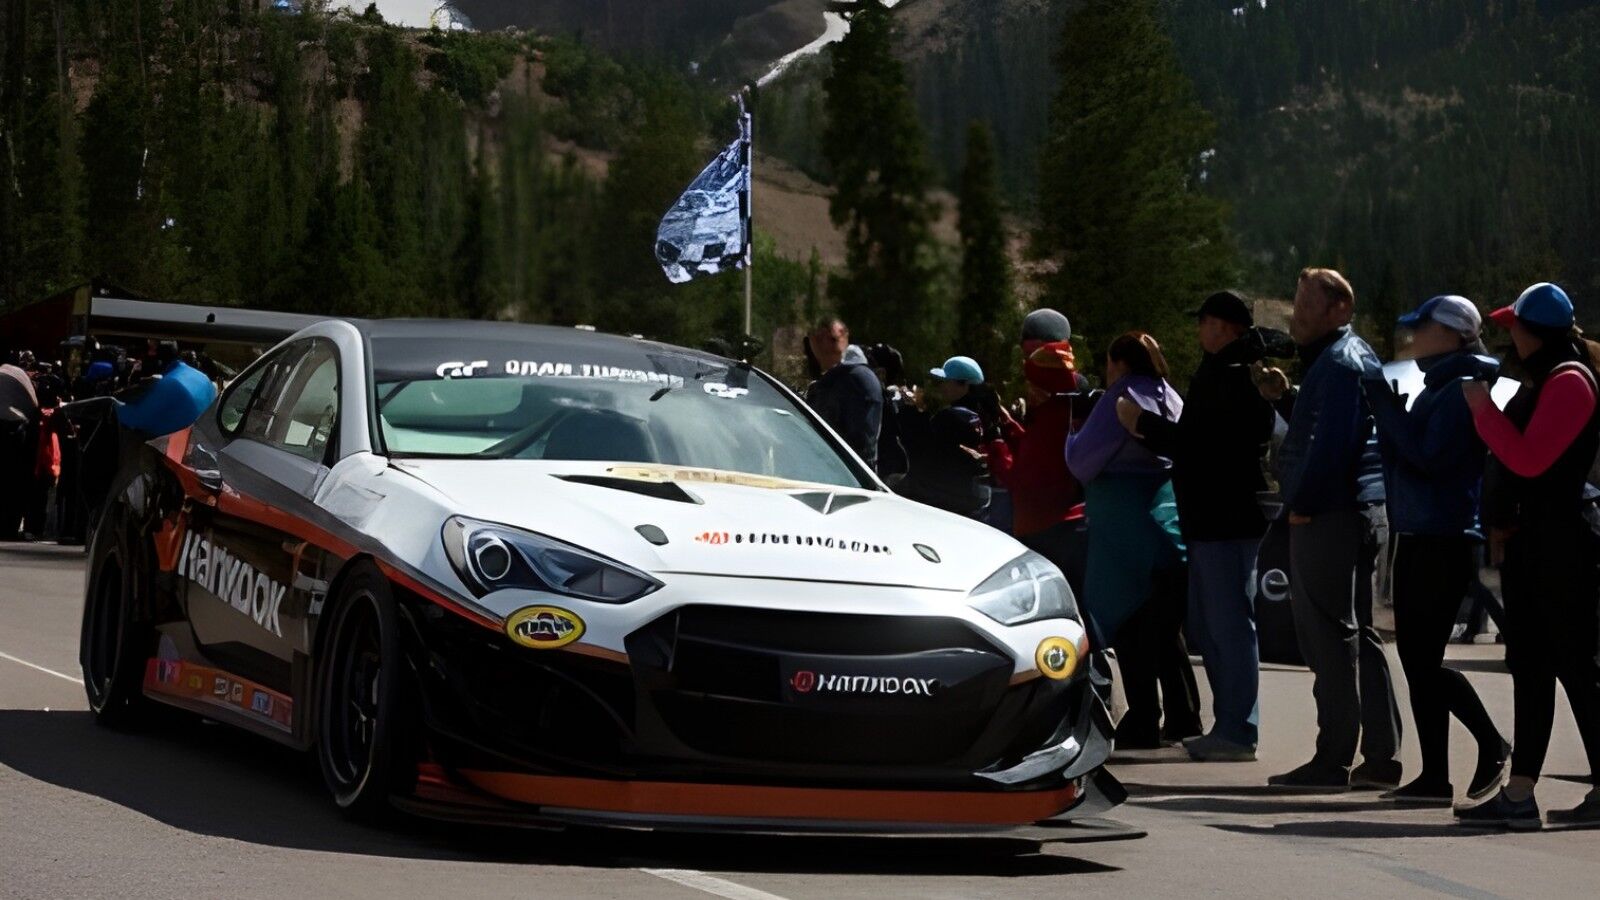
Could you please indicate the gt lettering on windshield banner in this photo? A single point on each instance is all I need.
(533, 368)
(806, 681)
(220, 572)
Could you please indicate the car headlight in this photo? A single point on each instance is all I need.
(491, 557)
(1027, 589)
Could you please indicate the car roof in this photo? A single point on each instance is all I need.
(484, 330)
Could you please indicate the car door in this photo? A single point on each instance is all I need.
(252, 571)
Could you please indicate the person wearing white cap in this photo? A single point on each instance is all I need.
(1433, 469)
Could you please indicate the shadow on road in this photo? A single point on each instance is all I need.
(1265, 806)
(62, 556)
(1347, 830)
(1138, 789)
(212, 780)
(1496, 666)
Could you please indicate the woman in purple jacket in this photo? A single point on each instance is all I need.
(1133, 518)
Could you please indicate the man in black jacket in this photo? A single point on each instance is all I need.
(1216, 447)
(848, 396)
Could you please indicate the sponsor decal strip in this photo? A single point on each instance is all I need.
(214, 687)
(761, 802)
(815, 541)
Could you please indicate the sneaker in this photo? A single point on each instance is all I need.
(1500, 811)
(1211, 748)
(1491, 772)
(1584, 815)
(1179, 735)
(1315, 777)
(1377, 774)
(1422, 793)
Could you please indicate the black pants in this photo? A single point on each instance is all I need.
(1157, 676)
(16, 478)
(1332, 558)
(1430, 575)
(1549, 582)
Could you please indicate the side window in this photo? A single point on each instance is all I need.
(261, 416)
(309, 406)
(294, 401)
(231, 412)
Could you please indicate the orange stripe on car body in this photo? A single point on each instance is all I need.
(732, 801)
(427, 593)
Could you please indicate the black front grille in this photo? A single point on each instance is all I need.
(723, 681)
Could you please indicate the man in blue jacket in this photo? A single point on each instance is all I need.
(1331, 479)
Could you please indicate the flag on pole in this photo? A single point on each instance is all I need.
(707, 232)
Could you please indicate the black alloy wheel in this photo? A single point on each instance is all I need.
(362, 727)
(111, 641)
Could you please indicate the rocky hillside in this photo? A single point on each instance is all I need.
(734, 38)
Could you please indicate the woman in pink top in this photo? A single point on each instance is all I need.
(1544, 444)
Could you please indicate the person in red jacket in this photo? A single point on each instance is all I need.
(1544, 444)
(46, 469)
(1029, 460)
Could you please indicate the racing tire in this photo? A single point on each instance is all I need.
(114, 641)
(363, 719)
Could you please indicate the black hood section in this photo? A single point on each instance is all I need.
(661, 490)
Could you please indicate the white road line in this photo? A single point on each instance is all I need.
(719, 887)
(23, 662)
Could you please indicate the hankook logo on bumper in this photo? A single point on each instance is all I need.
(806, 681)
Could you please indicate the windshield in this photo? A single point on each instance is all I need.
(536, 401)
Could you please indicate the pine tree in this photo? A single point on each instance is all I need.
(1123, 211)
(874, 148)
(986, 317)
(652, 169)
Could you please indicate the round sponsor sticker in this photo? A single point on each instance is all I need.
(544, 627)
(1056, 657)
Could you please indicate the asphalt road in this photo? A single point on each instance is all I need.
(195, 810)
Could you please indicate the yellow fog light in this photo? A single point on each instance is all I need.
(1057, 658)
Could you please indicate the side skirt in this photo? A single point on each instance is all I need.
(221, 695)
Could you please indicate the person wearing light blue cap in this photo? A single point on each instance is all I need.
(946, 449)
(1433, 467)
(960, 373)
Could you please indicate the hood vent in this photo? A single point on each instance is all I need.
(661, 490)
(827, 502)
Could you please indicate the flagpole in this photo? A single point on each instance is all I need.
(749, 221)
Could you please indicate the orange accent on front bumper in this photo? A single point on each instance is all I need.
(731, 801)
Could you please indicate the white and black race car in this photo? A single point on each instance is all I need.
(503, 572)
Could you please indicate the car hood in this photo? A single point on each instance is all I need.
(724, 524)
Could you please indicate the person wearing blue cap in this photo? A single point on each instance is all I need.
(946, 449)
(1544, 444)
(1433, 467)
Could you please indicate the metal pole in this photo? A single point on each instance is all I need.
(750, 218)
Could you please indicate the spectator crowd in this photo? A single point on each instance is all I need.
(1154, 504)
(44, 448)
